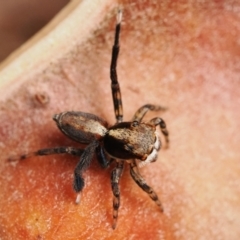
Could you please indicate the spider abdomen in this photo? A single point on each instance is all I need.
(80, 126)
(128, 140)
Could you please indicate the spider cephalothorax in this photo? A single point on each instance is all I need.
(124, 142)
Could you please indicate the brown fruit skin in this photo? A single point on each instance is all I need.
(180, 55)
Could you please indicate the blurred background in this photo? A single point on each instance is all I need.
(21, 19)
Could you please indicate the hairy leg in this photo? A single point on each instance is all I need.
(140, 113)
(159, 121)
(143, 185)
(116, 93)
(116, 175)
(48, 151)
(83, 164)
(102, 158)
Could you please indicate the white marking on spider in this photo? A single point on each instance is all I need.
(152, 157)
(157, 143)
(78, 198)
(119, 16)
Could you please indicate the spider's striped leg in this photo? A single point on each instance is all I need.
(83, 164)
(159, 121)
(115, 177)
(48, 151)
(140, 113)
(143, 185)
(116, 93)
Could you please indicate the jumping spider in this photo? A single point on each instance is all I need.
(124, 142)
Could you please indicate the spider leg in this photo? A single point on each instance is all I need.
(83, 164)
(48, 151)
(115, 177)
(143, 185)
(102, 158)
(159, 121)
(116, 93)
(140, 113)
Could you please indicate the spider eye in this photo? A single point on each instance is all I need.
(134, 124)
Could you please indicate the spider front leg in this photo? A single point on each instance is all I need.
(143, 185)
(115, 177)
(116, 93)
(140, 113)
(49, 151)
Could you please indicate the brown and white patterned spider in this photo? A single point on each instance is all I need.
(124, 142)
